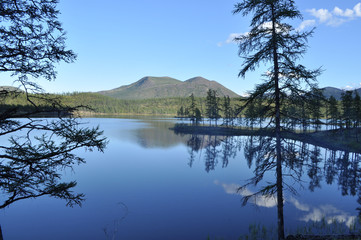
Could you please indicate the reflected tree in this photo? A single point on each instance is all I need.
(195, 144)
(314, 171)
(216, 148)
(301, 162)
(211, 153)
(330, 167)
(229, 150)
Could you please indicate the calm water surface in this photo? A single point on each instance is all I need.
(150, 185)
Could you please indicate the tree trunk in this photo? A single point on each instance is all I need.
(281, 232)
(1, 234)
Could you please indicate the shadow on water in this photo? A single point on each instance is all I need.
(303, 166)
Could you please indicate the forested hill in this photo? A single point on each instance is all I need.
(166, 87)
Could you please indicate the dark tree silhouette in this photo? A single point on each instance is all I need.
(228, 114)
(356, 109)
(346, 100)
(212, 106)
(32, 42)
(272, 41)
(333, 111)
(315, 102)
(192, 109)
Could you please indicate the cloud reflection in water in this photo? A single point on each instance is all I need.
(327, 211)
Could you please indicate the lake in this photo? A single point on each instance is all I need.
(153, 184)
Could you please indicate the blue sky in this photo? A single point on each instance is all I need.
(120, 41)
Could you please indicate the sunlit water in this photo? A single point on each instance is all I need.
(145, 186)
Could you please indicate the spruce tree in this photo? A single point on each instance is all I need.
(212, 106)
(356, 109)
(333, 111)
(346, 101)
(227, 111)
(274, 42)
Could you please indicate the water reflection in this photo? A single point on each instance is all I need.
(303, 166)
(326, 212)
(216, 149)
(150, 134)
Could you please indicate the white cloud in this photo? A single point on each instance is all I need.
(338, 11)
(322, 14)
(357, 10)
(337, 16)
(305, 24)
(231, 38)
(348, 87)
(347, 13)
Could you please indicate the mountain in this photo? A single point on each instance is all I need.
(9, 89)
(336, 92)
(165, 87)
(331, 91)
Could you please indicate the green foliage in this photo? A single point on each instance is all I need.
(32, 43)
(356, 110)
(94, 103)
(346, 100)
(212, 106)
(333, 112)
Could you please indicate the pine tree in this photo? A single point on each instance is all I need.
(346, 101)
(334, 113)
(315, 100)
(356, 109)
(212, 106)
(273, 41)
(32, 43)
(192, 109)
(227, 111)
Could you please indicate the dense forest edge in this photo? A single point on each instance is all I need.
(94, 104)
(314, 119)
(340, 120)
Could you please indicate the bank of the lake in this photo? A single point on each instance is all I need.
(339, 139)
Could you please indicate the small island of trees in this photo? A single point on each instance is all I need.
(311, 113)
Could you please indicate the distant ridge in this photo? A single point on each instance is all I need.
(10, 89)
(336, 92)
(165, 87)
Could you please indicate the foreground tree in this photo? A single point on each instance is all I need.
(32, 42)
(272, 41)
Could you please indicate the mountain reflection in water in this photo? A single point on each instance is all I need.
(153, 184)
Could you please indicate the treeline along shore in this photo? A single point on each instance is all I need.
(339, 139)
(313, 118)
(306, 120)
(97, 104)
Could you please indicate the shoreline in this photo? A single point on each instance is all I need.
(340, 139)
